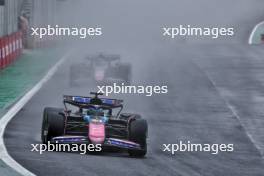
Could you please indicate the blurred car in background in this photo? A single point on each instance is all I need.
(101, 68)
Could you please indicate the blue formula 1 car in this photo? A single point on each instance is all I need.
(94, 122)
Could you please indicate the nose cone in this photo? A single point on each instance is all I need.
(97, 133)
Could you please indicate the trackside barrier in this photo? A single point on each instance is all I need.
(1, 57)
(19, 43)
(6, 58)
(14, 46)
(3, 53)
(10, 48)
(10, 44)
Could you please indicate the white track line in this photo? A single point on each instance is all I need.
(14, 110)
(233, 111)
(250, 40)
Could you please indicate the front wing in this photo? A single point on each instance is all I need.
(111, 142)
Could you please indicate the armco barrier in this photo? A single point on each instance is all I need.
(1, 57)
(20, 45)
(11, 51)
(6, 58)
(7, 50)
(13, 37)
(10, 48)
(14, 46)
(3, 52)
(18, 39)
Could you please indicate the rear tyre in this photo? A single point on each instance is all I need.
(125, 72)
(138, 134)
(52, 124)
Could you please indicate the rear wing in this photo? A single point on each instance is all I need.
(106, 57)
(81, 101)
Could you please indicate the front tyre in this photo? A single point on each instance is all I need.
(138, 134)
(52, 124)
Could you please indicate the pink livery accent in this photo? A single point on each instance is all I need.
(99, 75)
(97, 132)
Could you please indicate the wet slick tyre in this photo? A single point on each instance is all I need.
(52, 124)
(125, 71)
(138, 133)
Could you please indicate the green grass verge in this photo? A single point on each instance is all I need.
(24, 73)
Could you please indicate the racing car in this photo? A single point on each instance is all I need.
(94, 122)
(101, 68)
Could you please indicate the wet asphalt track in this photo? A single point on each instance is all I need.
(194, 110)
